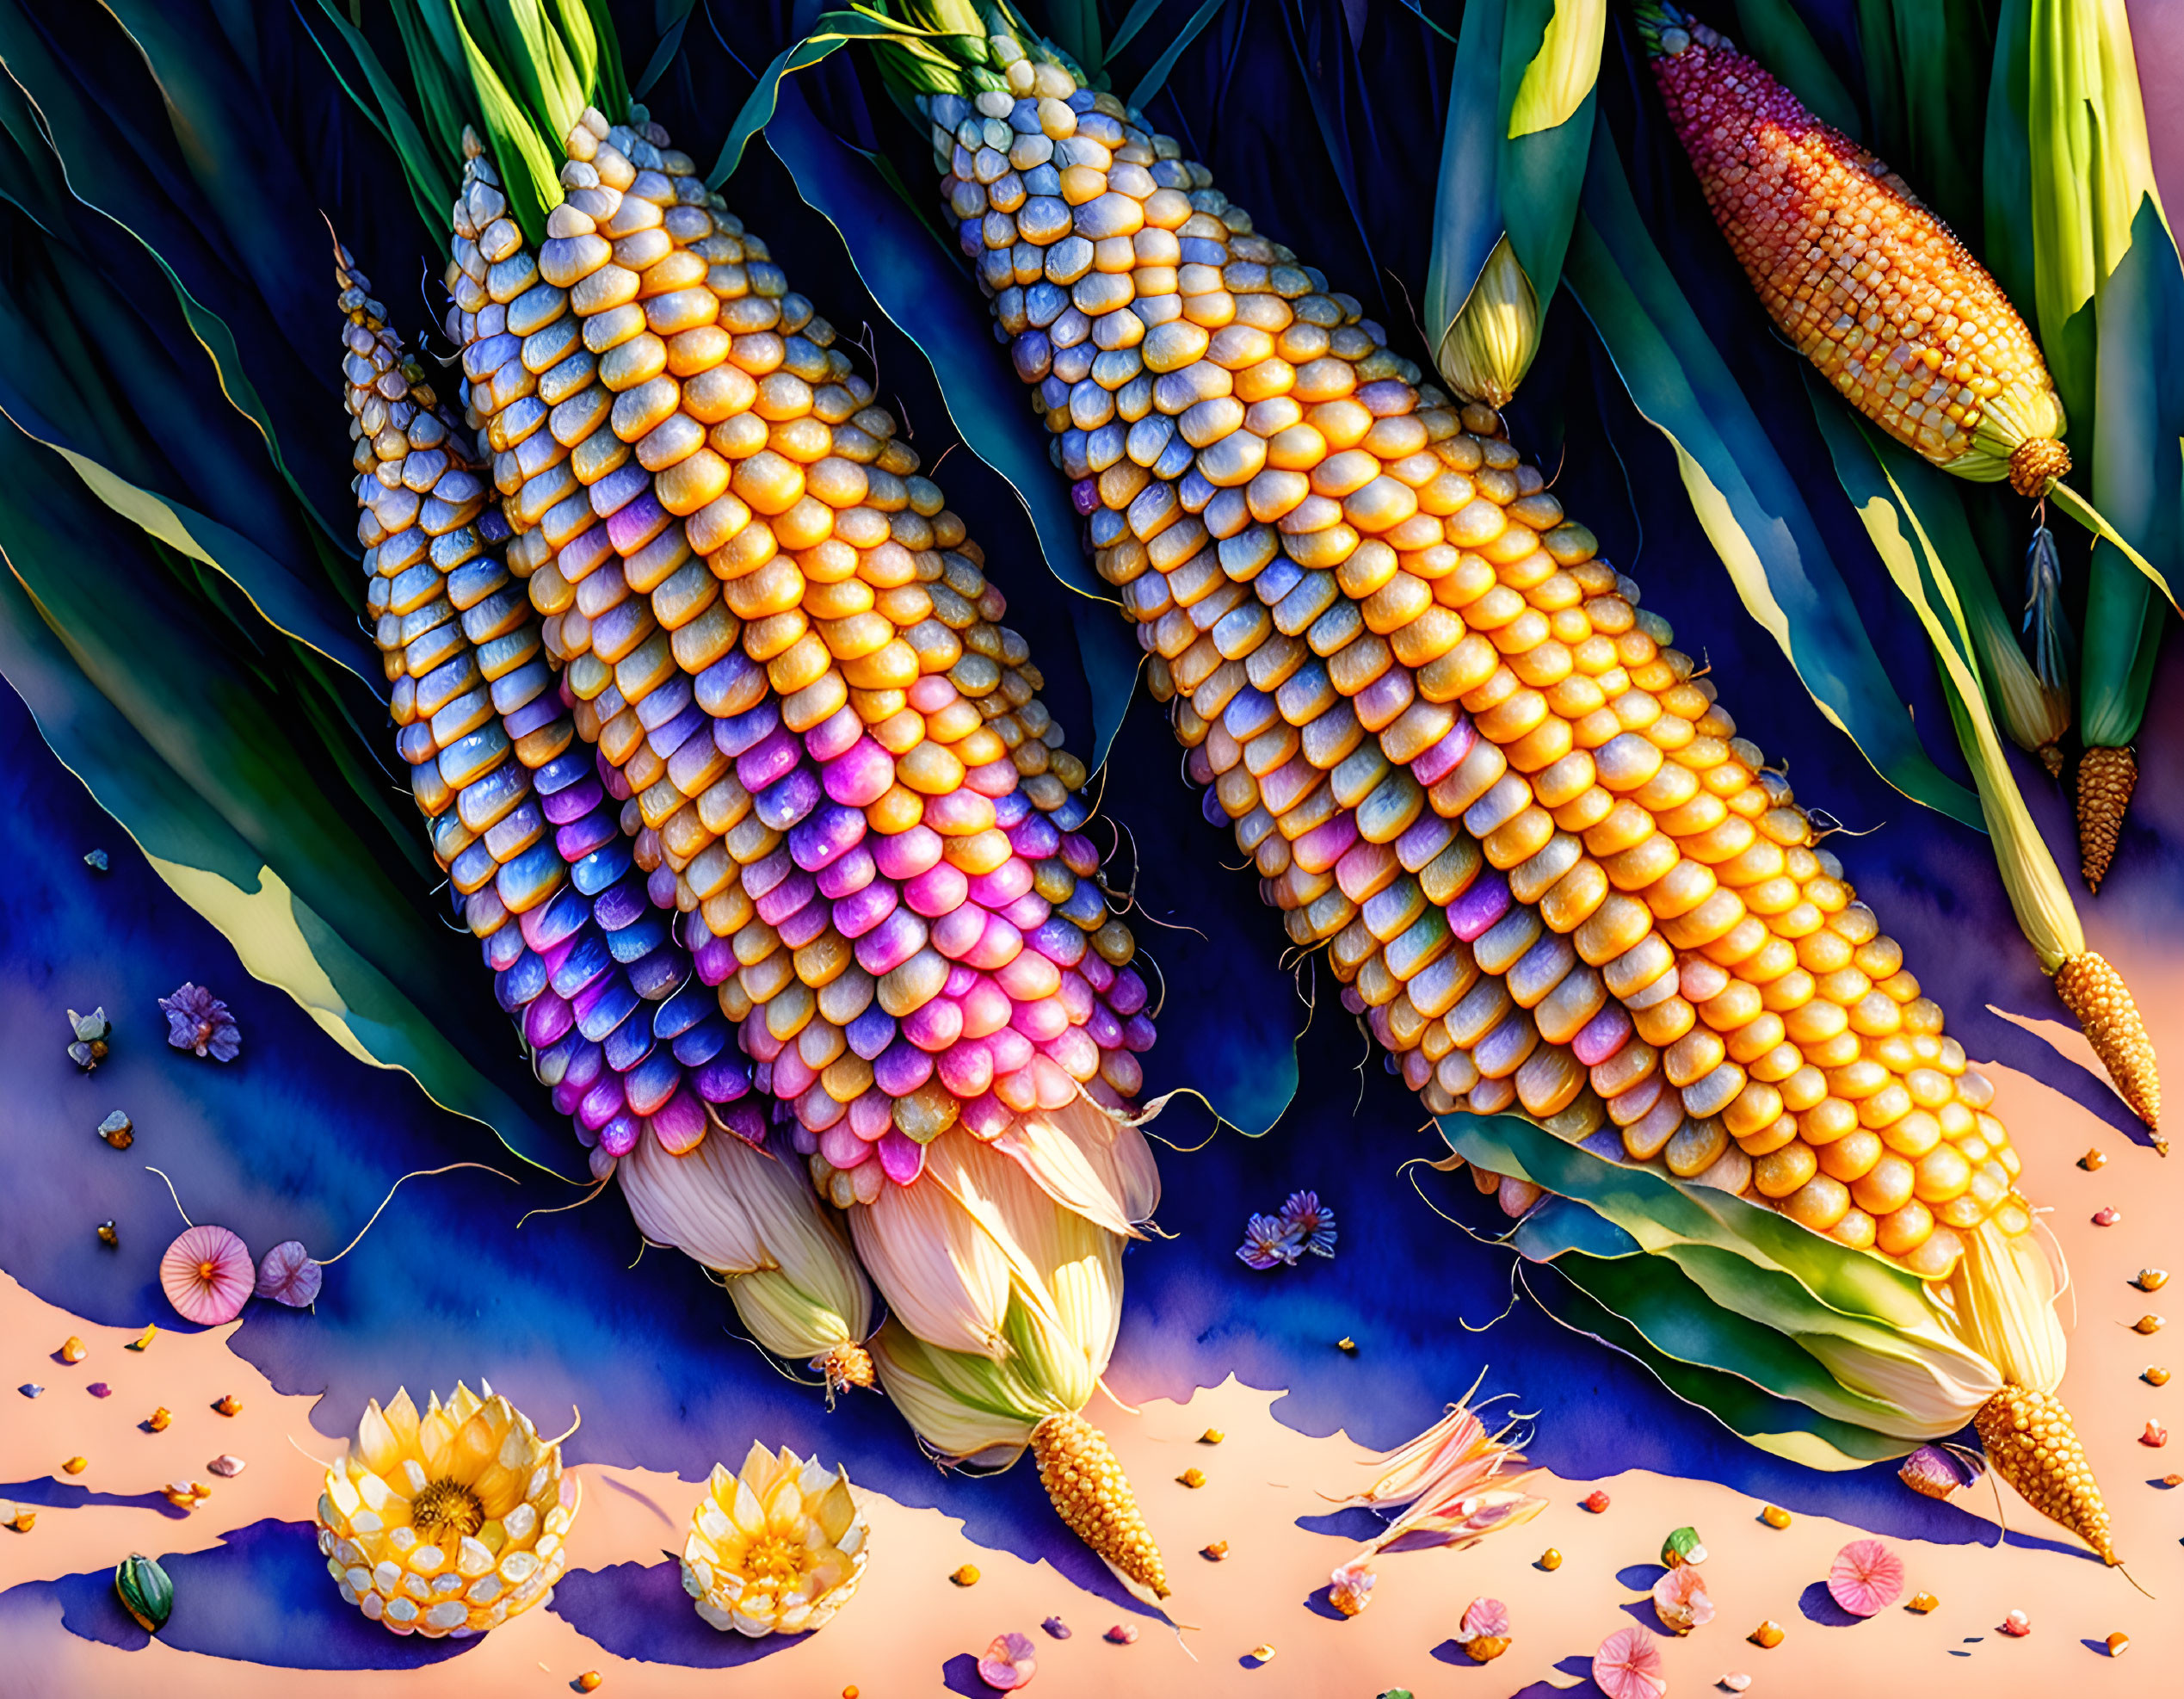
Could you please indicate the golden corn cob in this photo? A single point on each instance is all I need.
(668, 420)
(2106, 778)
(1867, 283)
(1236, 431)
(1078, 1468)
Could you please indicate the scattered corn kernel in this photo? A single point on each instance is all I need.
(965, 1576)
(1551, 1559)
(2172, 1481)
(108, 1234)
(1212, 1437)
(76, 1466)
(2106, 1216)
(1736, 1681)
(73, 1350)
(2155, 1435)
(1192, 1477)
(2149, 1322)
(1776, 1517)
(2151, 1280)
(1596, 1501)
(1768, 1634)
(2017, 1623)
(1264, 1651)
(2119, 1643)
(143, 1341)
(158, 1421)
(588, 1682)
(23, 1521)
(1216, 1552)
(1346, 1345)
(1922, 1601)
(229, 1405)
(1123, 1633)
(2156, 1376)
(2093, 1159)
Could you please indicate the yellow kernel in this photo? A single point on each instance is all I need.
(1922, 1601)
(588, 1682)
(2117, 1644)
(24, 1521)
(2147, 1323)
(1551, 1559)
(76, 1466)
(1776, 1517)
(1216, 1552)
(74, 1349)
(158, 1421)
(229, 1405)
(965, 1576)
(1212, 1437)
(1768, 1634)
(1192, 1477)
(2151, 1280)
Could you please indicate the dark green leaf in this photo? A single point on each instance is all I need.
(1155, 78)
(1744, 496)
(1772, 32)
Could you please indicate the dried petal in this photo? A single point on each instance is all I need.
(2106, 1216)
(1935, 1472)
(2017, 1624)
(1736, 1681)
(1866, 1578)
(227, 1465)
(1349, 1589)
(1628, 1665)
(1680, 1601)
(1483, 1616)
(1056, 1626)
(198, 1021)
(288, 1276)
(207, 1275)
(1123, 1633)
(1682, 1546)
(1008, 1663)
(118, 1130)
(95, 860)
(2155, 1434)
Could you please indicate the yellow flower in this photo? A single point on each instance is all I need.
(447, 1524)
(777, 1549)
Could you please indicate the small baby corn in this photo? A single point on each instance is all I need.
(1867, 283)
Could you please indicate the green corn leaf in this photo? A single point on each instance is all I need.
(912, 282)
(832, 30)
(1155, 78)
(1888, 1356)
(1925, 80)
(529, 161)
(1918, 528)
(1560, 78)
(432, 190)
(1744, 495)
(2076, 227)
(674, 18)
(222, 783)
(1511, 165)
(1712, 1375)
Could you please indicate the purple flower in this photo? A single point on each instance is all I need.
(196, 1019)
(1310, 1222)
(1269, 1242)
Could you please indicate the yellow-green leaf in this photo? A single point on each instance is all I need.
(1563, 72)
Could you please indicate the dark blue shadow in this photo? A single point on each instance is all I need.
(960, 1675)
(262, 1597)
(1819, 1606)
(639, 1610)
(1353, 1522)
(60, 1495)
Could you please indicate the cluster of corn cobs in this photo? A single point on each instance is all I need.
(828, 756)
(1458, 751)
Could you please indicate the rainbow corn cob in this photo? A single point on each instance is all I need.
(1375, 626)
(588, 970)
(832, 761)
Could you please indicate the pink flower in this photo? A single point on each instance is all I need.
(1008, 1663)
(1349, 1589)
(1866, 1577)
(1269, 1242)
(1679, 1600)
(1313, 1222)
(1628, 1665)
(208, 1276)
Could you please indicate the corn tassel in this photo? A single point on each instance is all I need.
(783, 643)
(1866, 283)
(1376, 627)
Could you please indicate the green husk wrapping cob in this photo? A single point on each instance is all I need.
(832, 761)
(1466, 760)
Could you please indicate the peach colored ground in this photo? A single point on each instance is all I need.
(910, 1619)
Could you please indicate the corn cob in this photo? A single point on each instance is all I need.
(838, 768)
(2106, 778)
(529, 840)
(1415, 581)
(1867, 283)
